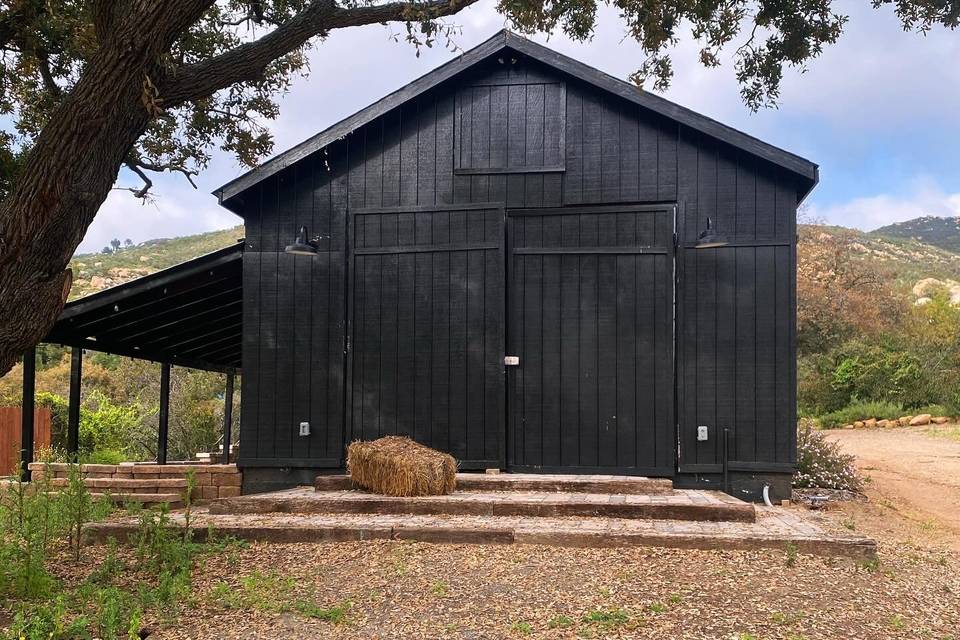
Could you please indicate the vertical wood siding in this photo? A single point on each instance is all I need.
(735, 305)
(428, 328)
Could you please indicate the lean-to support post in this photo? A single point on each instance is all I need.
(27, 410)
(73, 411)
(227, 418)
(164, 418)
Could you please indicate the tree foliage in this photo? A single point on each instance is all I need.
(91, 86)
(46, 45)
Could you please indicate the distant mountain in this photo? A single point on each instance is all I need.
(939, 232)
(905, 259)
(95, 271)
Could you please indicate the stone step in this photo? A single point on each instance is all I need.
(175, 500)
(774, 530)
(126, 484)
(626, 485)
(678, 505)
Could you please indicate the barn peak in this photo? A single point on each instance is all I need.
(806, 172)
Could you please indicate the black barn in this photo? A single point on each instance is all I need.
(502, 262)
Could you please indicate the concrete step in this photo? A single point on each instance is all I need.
(711, 506)
(774, 529)
(626, 485)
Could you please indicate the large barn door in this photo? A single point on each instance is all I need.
(427, 329)
(591, 319)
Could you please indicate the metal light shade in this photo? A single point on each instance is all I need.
(709, 238)
(302, 245)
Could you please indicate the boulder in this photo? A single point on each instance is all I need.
(98, 282)
(940, 420)
(920, 420)
(858, 424)
(870, 423)
(883, 423)
(905, 420)
(848, 426)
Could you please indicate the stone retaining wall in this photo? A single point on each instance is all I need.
(212, 480)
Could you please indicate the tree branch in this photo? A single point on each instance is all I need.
(248, 61)
(140, 167)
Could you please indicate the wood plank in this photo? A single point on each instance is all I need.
(592, 149)
(766, 337)
(667, 161)
(427, 153)
(628, 422)
(746, 428)
(573, 178)
(609, 151)
(648, 145)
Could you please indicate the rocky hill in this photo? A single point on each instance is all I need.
(95, 271)
(906, 259)
(909, 261)
(938, 232)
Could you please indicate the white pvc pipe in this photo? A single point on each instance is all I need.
(766, 495)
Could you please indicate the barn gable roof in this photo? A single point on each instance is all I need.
(807, 171)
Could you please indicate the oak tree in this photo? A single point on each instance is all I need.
(91, 86)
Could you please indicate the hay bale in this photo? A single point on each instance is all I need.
(398, 466)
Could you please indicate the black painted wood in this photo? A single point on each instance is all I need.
(27, 408)
(73, 409)
(427, 330)
(348, 339)
(594, 333)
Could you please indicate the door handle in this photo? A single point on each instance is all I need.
(511, 361)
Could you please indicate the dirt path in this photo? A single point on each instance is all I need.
(913, 473)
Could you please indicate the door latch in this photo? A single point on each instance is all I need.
(511, 361)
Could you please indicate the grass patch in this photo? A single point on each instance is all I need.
(657, 607)
(607, 618)
(861, 410)
(560, 622)
(336, 614)
(521, 627)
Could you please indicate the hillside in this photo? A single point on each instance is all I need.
(95, 271)
(907, 259)
(931, 230)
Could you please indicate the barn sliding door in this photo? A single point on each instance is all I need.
(591, 319)
(427, 329)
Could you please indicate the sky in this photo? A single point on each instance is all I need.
(878, 111)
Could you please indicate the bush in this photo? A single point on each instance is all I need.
(862, 410)
(821, 464)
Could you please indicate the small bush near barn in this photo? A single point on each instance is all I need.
(821, 464)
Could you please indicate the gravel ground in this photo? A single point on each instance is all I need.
(413, 590)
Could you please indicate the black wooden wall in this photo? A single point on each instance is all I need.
(522, 135)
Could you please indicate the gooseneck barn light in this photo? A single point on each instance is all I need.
(709, 238)
(302, 244)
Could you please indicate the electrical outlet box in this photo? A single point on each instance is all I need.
(703, 433)
(304, 428)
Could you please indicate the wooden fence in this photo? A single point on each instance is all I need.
(10, 436)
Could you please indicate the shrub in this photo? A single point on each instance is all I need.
(862, 410)
(821, 464)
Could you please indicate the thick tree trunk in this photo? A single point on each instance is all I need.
(73, 164)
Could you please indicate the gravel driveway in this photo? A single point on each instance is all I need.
(914, 471)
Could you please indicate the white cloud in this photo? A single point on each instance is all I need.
(877, 83)
(178, 210)
(925, 198)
